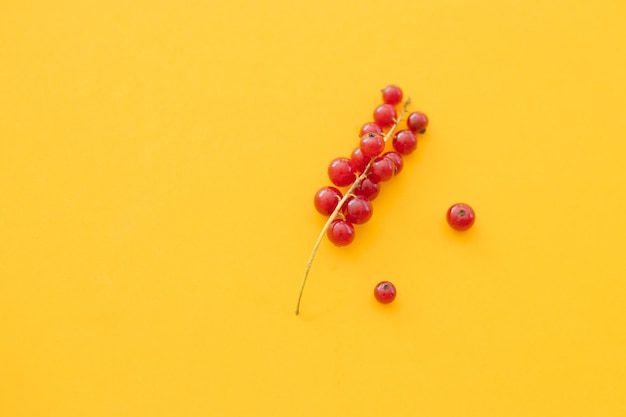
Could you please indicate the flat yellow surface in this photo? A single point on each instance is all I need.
(158, 161)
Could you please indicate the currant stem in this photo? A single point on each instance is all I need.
(347, 195)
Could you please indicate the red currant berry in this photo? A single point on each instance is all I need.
(341, 172)
(341, 232)
(381, 170)
(358, 210)
(358, 160)
(385, 115)
(367, 189)
(417, 122)
(372, 145)
(392, 94)
(370, 127)
(385, 292)
(396, 158)
(460, 217)
(326, 200)
(404, 142)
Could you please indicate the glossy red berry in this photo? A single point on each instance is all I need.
(326, 200)
(367, 189)
(381, 170)
(358, 160)
(417, 122)
(385, 292)
(357, 210)
(370, 127)
(396, 158)
(460, 217)
(385, 115)
(341, 232)
(392, 94)
(404, 142)
(372, 144)
(341, 172)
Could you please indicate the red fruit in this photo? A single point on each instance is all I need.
(404, 142)
(367, 189)
(326, 200)
(385, 292)
(392, 94)
(358, 160)
(385, 115)
(460, 217)
(396, 158)
(381, 170)
(370, 127)
(357, 210)
(341, 232)
(341, 172)
(417, 122)
(372, 145)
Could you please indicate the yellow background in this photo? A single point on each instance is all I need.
(158, 163)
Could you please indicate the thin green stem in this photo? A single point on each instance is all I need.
(347, 195)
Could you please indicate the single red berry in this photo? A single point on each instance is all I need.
(358, 160)
(404, 142)
(341, 232)
(385, 115)
(372, 144)
(396, 158)
(417, 122)
(460, 217)
(385, 292)
(326, 200)
(392, 94)
(341, 172)
(381, 170)
(370, 127)
(357, 210)
(367, 189)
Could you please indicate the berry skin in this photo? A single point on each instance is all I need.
(385, 292)
(372, 145)
(417, 122)
(396, 158)
(326, 200)
(367, 189)
(357, 210)
(341, 172)
(341, 232)
(370, 127)
(381, 170)
(384, 115)
(404, 142)
(392, 94)
(460, 217)
(358, 160)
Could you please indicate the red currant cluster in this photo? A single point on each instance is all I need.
(367, 167)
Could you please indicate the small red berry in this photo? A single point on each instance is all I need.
(372, 144)
(326, 200)
(341, 232)
(357, 210)
(460, 217)
(404, 142)
(381, 170)
(385, 115)
(396, 158)
(385, 292)
(370, 127)
(341, 172)
(367, 189)
(358, 160)
(392, 94)
(417, 122)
